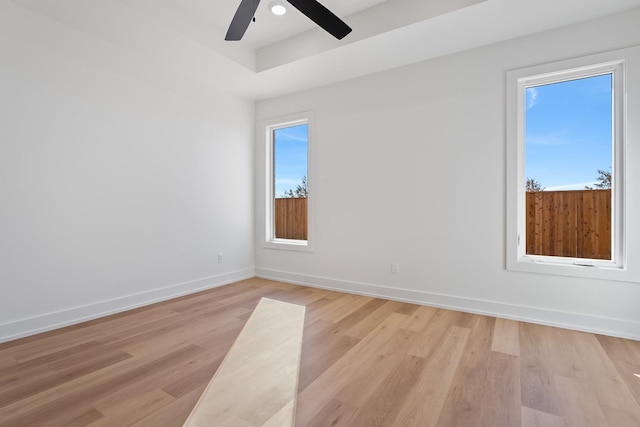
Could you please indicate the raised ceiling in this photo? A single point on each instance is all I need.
(284, 54)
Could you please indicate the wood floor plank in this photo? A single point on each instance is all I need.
(579, 403)
(62, 339)
(501, 399)
(178, 334)
(535, 418)
(177, 381)
(423, 407)
(407, 308)
(19, 371)
(563, 357)
(630, 374)
(367, 311)
(536, 369)
(31, 386)
(335, 346)
(365, 362)
(361, 329)
(128, 411)
(172, 414)
(74, 418)
(385, 402)
(51, 356)
(191, 378)
(221, 336)
(7, 361)
(304, 296)
(420, 318)
(620, 349)
(345, 311)
(506, 337)
(337, 307)
(383, 361)
(614, 397)
(334, 413)
(339, 375)
(437, 326)
(463, 405)
(55, 401)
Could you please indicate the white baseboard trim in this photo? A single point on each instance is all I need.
(580, 322)
(46, 322)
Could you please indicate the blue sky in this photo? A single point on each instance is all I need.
(290, 159)
(568, 132)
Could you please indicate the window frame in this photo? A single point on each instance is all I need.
(269, 239)
(518, 81)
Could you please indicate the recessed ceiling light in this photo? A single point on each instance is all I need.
(277, 7)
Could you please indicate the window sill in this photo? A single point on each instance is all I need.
(289, 245)
(546, 266)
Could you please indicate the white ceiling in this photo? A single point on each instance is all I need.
(268, 28)
(280, 55)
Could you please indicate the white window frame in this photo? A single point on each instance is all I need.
(615, 63)
(270, 241)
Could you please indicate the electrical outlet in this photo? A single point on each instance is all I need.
(395, 268)
(220, 256)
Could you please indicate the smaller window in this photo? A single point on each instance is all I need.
(288, 190)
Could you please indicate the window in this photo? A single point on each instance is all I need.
(568, 147)
(566, 157)
(288, 184)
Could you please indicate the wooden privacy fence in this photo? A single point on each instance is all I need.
(569, 223)
(291, 218)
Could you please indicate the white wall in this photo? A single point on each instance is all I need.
(117, 187)
(120, 183)
(410, 167)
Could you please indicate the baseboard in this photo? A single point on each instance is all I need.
(46, 322)
(575, 321)
(581, 322)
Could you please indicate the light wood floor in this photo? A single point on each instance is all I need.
(365, 362)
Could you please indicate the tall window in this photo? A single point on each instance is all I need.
(288, 183)
(568, 144)
(565, 167)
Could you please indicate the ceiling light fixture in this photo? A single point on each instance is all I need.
(277, 7)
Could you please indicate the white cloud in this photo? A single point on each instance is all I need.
(566, 187)
(288, 181)
(532, 96)
(289, 136)
(559, 137)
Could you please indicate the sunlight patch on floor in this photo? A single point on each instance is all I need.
(257, 382)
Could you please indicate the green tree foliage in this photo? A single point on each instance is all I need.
(299, 192)
(603, 181)
(534, 185)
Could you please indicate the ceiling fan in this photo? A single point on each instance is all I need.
(311, 8)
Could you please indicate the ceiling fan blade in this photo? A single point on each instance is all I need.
(323, 17)
(242, 19)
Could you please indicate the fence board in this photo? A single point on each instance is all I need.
(569, 223)
(291, 218)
